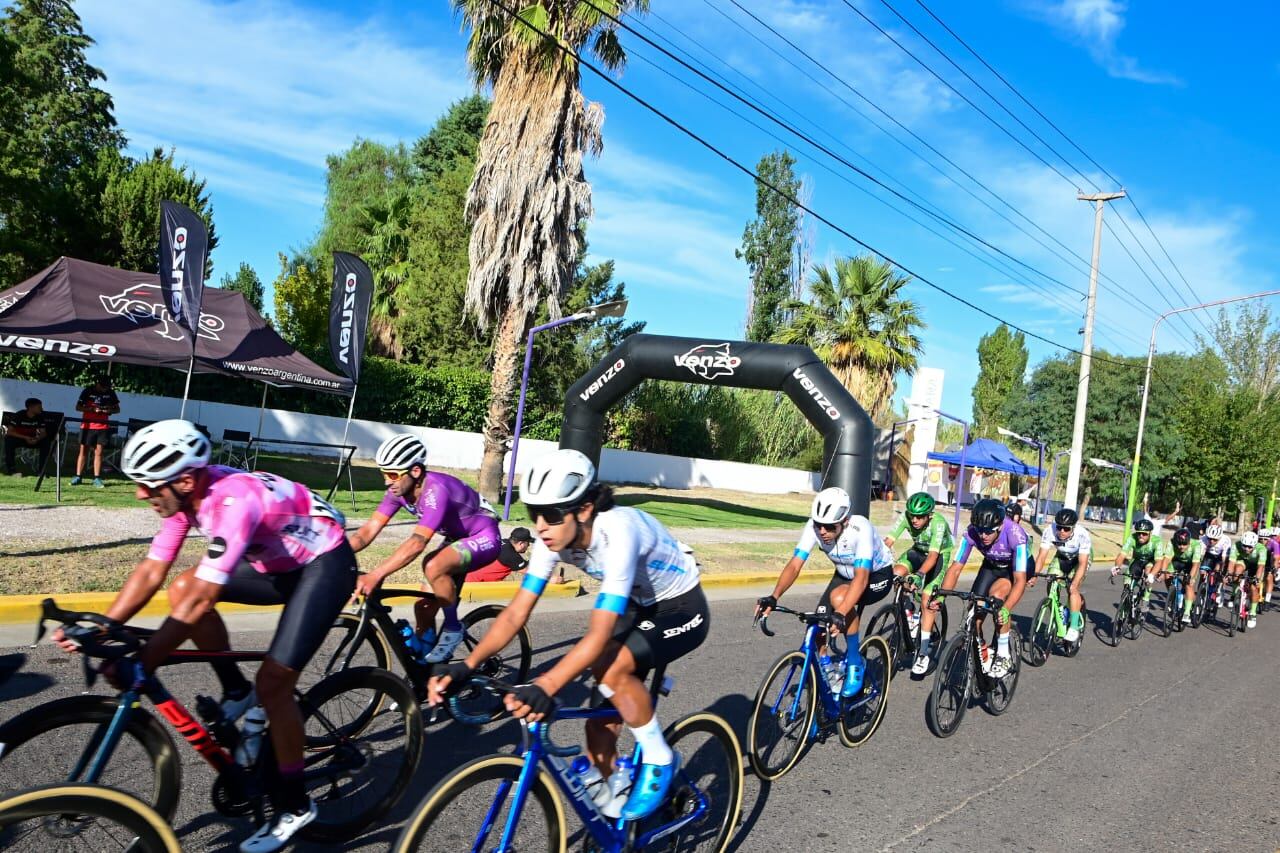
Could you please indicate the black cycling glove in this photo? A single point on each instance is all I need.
(767, 602)
(535, 697)
(840, 622)
(459, 674)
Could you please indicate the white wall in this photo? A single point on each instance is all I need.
(448, 448)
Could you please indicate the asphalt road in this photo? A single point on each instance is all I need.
(1158, 744)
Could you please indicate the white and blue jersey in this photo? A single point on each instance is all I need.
(631, 554)
(858, 547)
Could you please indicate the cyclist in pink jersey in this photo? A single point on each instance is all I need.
(441, 504)
(270, 541)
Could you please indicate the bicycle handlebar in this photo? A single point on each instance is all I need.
(89, 637)
(813, 618)
(502, 688)
(989, 602)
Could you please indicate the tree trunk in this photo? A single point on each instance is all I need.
(1084, 504)
(508, 346)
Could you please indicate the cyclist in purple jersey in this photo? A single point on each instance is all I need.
(1272, 543)
(442, 504)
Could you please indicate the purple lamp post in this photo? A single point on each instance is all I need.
(604, 309)
(964, 447)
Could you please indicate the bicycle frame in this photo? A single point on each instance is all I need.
(379, 614)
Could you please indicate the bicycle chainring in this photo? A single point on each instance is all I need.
(231, 795)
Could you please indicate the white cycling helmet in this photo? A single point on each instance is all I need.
(1249, 539)
(163, 451)
(1267, 532)
(1213, 531)
(401, 452)
(831, 506)
(562, 478)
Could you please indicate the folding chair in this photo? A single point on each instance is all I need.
(27, 455)
(234, 450)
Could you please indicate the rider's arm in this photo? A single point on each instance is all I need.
(898, 529)
(409, 550)
(957, 565)
(363, 538)
(148, 576)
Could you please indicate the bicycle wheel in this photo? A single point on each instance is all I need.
(1170, 614)
(711, 769)
(885, 624)
(510, 665)
(1042, 634)
(53, 743)
(1119, 618)
(1137, 616)
(82, 817)
(356, 773)
(345, 646)
(949, 699)
(997, 699)
(861, 715)
(468, 811)
(783, 714)
(1230, 607)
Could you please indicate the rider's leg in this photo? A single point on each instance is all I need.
(1000, 589)
(440, 568)
(614, 667)
(210, 635)
(854, 666)
(1189, 594)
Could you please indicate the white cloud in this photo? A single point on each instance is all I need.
(1096, 25)
(622, 167)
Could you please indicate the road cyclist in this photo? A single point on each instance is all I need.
(929, 553)
(440, 503)
(1272, 543)
(650, 611)
(1144, 554)
(1066, 549)
(1185, 555)
(1003, 575)
(1247, 562)
(1217, 549)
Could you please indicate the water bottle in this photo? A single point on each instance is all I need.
(589, 775)
(614, 793)
(831, 672)
(1066, 615)
(255, 722)
(223, 730)
(411, 641)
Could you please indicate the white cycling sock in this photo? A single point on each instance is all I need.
(1002, 645)
(651, 742)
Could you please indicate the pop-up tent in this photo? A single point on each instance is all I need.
(89, 312)
(985, 453)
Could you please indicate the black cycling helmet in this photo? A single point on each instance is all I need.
(1013, 509)
(1143, 526)
(988, 514)
(1066, 517)
(1182, 537)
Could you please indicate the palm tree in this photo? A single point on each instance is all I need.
(860, 325)
(385, 232)
(529, 198)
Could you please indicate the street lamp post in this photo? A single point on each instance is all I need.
(964, 448)
(1129, 481)
(1053, 472)
(1040, 446)
(604, 309)
(1146, 388)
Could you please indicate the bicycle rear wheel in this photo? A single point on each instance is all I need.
(998, 698)
(469, 809)
(949, 699)
(782, 717)
(511, 664)
(862, 715)
(1230, 607)
(1043, 630)
(345, 647)
(1073, 649)
(82, 817)
(885, 624)
(1170, 613)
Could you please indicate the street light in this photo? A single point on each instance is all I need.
(1146, 388)
(605, 309)
(964, 447)
(1040, 446)
(1128, 476)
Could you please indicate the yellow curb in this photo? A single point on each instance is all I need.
(16, 609)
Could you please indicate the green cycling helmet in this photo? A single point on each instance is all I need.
(921, 503)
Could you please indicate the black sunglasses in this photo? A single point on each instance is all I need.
(1066, 530)
(552, 515)
(987, 531)
(827, 527)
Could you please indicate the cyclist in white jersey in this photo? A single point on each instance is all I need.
(863, 571)
(1067, 540)
(650, 611)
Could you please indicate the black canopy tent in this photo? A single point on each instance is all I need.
(89, 312)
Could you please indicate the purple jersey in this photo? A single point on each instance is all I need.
(446, 505)
(1008, 551)
(1273, 550)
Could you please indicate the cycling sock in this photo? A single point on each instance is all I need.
(925, 642)
(292, 794)
(1077, 620)
(1002, 645)
(1253, 609)
(451, 621)
(653, 745)
(234, 684)
(1186, 607)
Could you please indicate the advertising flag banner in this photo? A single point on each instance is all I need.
(349, 312)
(184, 245)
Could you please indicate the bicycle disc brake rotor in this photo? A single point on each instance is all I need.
(66, 825)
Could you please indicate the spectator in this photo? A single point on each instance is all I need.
(511, 559)
(27, 428)
(98, 403)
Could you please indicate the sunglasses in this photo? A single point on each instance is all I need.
(829, 528)
(987, 531)
(1066, 530)
(551, 515)
(393, 475)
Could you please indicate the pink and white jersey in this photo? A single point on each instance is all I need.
(275, 524)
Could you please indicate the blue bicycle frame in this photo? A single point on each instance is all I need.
(831, 704)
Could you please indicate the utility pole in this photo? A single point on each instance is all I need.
(1086, 360)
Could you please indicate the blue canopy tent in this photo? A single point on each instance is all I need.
(985, 453)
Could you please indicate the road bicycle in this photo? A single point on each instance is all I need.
(1235, 592)
(892, 623)
(85, 817)
(1174, 599)
(796, 706)
(1049, 625)
(356, 770)
(369, 636)
(963, 668)
(1206, 607)
(506, 803)
(1131, 610)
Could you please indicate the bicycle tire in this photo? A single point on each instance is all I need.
(1118, 619)
(1197, 609)
(694, 837)
(509, 666)
(998, 699)
(331, 753)
(62, 809)
(950, 681)
(1042, 634)
(799, 696)
(1135, 623)
(1166, 626)
(858, 724)
(1231, 610)
(333, 657)
(96, 711)
(425, 825)
(885, 624)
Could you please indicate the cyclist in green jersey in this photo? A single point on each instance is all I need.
(1185, 554)
(1249, 555)
(931, 545)
(1142, 551)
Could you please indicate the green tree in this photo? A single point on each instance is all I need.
(454, 138)
(1248, 342)
(368, 174)
(1002, 362)
(768, 244)
(247, 284)
(859, 322)
(54, 123)
(129, 211)
(530, 197)
(302, 293)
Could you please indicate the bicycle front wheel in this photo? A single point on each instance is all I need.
(1073, 649)
(783, 715)
(861, 715)
(1119, 618)
(469, 811)
(997, 699)
(1042, 634)
(82, 817)
(511, 664)
(1170, 614)
(1135, 622)
(949, 699)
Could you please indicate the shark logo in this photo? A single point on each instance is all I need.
(710, 361)
(144, 301)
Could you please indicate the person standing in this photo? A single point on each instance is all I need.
(98, 403)
(27, 428)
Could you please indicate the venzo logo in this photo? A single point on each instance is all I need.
(710, 361)
(12, 299)
(178, 271)
(603, 379)
(144, 301)
(348, 321)
(816, 393)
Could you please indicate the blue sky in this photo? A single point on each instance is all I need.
(1169, 97)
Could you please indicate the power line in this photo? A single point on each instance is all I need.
(1163, 275)
(1182, 318)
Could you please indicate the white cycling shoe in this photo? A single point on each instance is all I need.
(1186, 618)
(1001, 666)
(275, 835)
(1072, 635)
(445, 646)
(1253, 622)
(921, 666)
